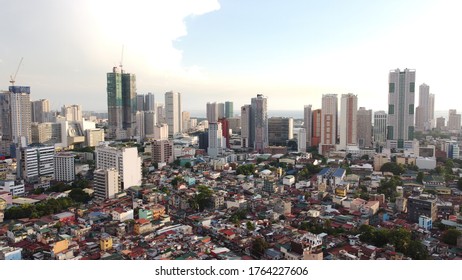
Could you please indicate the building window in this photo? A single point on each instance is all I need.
(391, 87)
(391, 109)
(411, 109)
(411, 87)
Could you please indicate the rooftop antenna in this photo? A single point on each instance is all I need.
(121, 59)
(13, 78)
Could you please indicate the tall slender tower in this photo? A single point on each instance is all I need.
(307, 124)
(40, 111)
(329, 112)
(229, 111)
(401, 98)
(245, 126)
(424, 117)
(173, 112)
(260, 122)
(16, 114)
(114, 101)
(380, 128)
(348, 121)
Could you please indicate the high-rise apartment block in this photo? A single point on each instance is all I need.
(36, 162)
(364, 130)
(348, 121)
(40, 111)
(64, 167)
(125, 160)
(329, 116)
(301, 141)
(307, 124)
(245, 126)
(216, 140)
(15, 109)
(72, 113)
(425, 112)
(106, 183)
(173, 112)
(454, 121)
(259, 122)
(162, 151)
(401, 99)
(316, 128)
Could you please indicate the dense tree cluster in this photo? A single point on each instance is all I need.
(245, 169)
(400, 238)
(46, 207)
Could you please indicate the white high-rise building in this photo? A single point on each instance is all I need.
(308, 124)
(140, 129)
(302, 140)
(106, 183)
(173, 112)
(93, 137)
(221, 110)
(64, 167)
(454, 121)
(37, 162)
(380, 128)
(149, 122)
(401, 100)
(348, 121)
(125, 160)
(329, 112)
(216, 143)
(160, 132)
(72, 113)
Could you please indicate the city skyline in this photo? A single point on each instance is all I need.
(292, 53)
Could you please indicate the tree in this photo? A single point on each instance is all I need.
(450, 236)
(245, 169)
(187, 165)
(203, 198)
(417, 251)
(392, 167)
(78, 195)
(250, 226)
(365, 157)
(420, 177)
(259, 245)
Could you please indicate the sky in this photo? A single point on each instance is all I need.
(231, 50)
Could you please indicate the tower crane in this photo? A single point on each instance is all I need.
(13, 78)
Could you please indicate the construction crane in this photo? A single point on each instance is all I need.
(13, 78)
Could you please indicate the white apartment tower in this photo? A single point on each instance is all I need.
(302, 140)
(72, 113)
(106, 183)
(125, 160)
(173, 112)
(64, 167)
(259, 122)
(401, 100)
(364, 131)
(216, 140)
(348, 121)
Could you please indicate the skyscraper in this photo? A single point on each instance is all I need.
(380, 128)
(307, 124)
(185, 118)
(316, 128)
(173, 112)
(139, 102)
(149, 102)
(245, 126)
(259, 116)
(424, 118)
(348, 121)
(401, 98)
(212, 112)
(328, 123)
(229, 111)
(15, 109)
(301, 140)
(364, 128)
(221, 110)
(121, 100)
(280, 130)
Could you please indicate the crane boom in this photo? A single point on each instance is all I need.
(13, 78)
